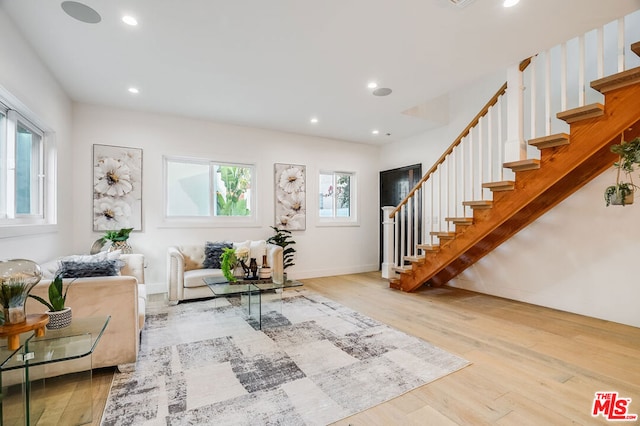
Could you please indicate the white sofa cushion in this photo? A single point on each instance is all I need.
(195, 277)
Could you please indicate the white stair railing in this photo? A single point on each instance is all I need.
(555, 80)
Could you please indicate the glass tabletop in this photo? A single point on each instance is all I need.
(75, 341)
(275, 286)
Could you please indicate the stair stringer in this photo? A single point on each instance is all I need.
(563, 170)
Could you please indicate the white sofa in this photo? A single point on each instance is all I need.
(122, 297)
(185, 272)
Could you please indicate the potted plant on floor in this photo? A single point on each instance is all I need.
(622, 192)
(59, 315)
(282, 238)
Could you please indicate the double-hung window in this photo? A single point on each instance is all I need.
(211, 191)
(22, 170)
(337, 198)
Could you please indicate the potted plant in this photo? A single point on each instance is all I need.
(118, 241)
(622, 192)
(282, 238)
(59, 315)
(619, 194)
(17, 278)
(228, 261)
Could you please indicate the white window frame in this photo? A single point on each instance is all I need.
(44, 219)
(211, 220)
(351, 220)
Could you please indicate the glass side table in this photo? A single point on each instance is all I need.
(61, 360)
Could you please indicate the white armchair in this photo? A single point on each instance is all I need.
(185, 271)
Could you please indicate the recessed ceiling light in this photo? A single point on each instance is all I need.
(372, 85)
(81, 12)
(130, 20)
(314, 120)
(134, 90)
(509, 3)
(375, 132)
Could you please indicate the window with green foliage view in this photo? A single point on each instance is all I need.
(203, 189)
(233, 191)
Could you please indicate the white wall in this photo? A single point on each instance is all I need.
(322, 251)
(579, 257)
(24, 77)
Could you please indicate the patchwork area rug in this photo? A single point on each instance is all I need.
(314, 362)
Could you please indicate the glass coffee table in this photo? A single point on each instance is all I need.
(253, 291)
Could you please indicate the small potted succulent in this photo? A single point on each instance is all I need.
(59, 315)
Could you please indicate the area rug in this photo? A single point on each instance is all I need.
(314, 362)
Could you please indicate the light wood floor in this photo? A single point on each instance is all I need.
(530, 365)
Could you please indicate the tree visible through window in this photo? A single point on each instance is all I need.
(233, 185)
(336, 195)
(197, 188)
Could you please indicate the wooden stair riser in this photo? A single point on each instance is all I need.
(562, 172)
(635, 48)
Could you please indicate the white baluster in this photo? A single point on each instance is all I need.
(620, 44)
(581, 71)
(388, 226)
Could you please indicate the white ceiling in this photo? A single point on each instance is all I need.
(275, 64)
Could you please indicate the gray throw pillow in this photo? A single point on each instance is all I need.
(212, 253)
(103, 268)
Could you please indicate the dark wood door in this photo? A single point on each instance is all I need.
(395, 185)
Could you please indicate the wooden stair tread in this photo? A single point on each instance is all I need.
(617, 81)
(402, 269)
(504, 185)
(551, 141)
(581, 113)
(635, 48)
(414, 259)
(443, 235)
(523, 165)
(460, 220)
(479, 204)
(429, 248)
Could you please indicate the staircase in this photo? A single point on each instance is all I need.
(568, 160)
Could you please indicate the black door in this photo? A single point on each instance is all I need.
(395, 185)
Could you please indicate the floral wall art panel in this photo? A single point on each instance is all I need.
(117, 188)
(290, 202)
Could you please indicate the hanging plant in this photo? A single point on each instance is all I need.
(622, 192)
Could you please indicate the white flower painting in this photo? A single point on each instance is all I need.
(290, 202)
(117, 188)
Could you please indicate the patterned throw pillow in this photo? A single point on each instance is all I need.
(212, 253)
(103, 268)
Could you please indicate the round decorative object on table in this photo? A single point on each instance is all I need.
(59, 319)
(265, 272)
(123, 246)
(17, 278)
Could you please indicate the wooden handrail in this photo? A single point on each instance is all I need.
(455, 143)
(522, 66)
